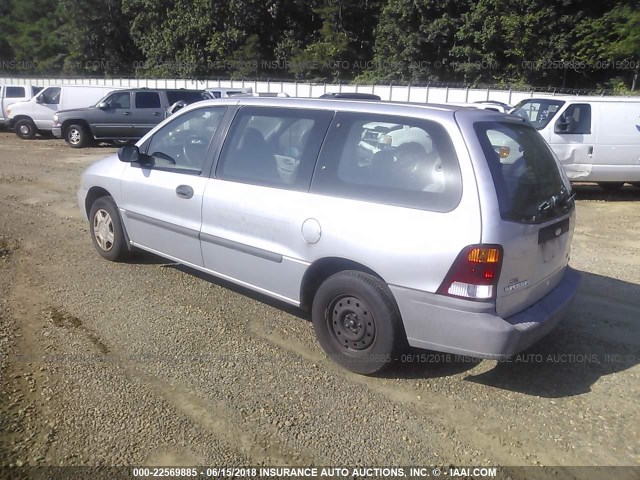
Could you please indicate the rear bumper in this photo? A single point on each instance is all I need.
(435, 322)
(57, 132)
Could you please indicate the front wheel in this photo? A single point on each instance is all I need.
(77, 136)
(107, 232)
(357, 322)
(25, 129)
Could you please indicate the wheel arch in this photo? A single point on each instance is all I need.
(17, 118)
(322, 269)
(94, 194)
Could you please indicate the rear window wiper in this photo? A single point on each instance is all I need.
(560, 200)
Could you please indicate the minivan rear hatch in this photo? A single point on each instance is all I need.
(535, 218)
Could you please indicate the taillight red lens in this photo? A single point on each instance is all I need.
(475, 273)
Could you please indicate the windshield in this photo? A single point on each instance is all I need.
(527, 178)
(539, 112)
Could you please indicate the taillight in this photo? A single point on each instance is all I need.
(475, 273)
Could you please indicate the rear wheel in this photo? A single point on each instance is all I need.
(122, 142)
(25, 128)
(610, 186)
(77, 136)
(357, 322)
(107, 232)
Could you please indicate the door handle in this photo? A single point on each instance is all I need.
(127, 113)
(590, 150)
(184, 191)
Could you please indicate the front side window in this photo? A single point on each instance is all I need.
(119, 101)
(538, 112)
(50, 96)
(147, 100)
(273, 146)
(15, 92)
(391, 160)
(525, 173)
(576, 119)
(183, 143)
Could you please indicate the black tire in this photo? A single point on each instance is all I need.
(107, 232)
(357, 322)
(77, 136)
(610, 186)
(122, 142)
(25, 129)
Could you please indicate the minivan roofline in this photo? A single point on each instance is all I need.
(404, 109)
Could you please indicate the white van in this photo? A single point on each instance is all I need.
(10, 94)
(36, 115)
(596, 139)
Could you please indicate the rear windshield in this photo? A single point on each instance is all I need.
(538, 112)
(527, 178)
(187, 96)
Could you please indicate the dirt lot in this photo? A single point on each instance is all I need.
(149, 363)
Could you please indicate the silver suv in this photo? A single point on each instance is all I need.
(395, 225)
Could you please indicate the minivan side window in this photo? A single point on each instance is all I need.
(50, 96)
(15, 92)
(576, 119)
(391, 160)
(147, 100)
(275, 147)
(181, 145)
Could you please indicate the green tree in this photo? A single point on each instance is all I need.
(97, 36)
(611, 43)
(414, 37)
(31, 33)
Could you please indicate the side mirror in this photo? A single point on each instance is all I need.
(103, 106)
(129, 154)
(39, 99)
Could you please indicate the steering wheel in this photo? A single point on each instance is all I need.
(192, 148)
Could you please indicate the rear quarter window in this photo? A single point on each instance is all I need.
(390, 160)
(15, 92)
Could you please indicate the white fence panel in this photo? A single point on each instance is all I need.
(400, 93)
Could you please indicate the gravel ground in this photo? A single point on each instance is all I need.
(149, 363)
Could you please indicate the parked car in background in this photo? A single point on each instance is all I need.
(10, 94)
(379, 245)
(597, 139)
(121, 116)
(350, 96)
(224, 92)
(36, 115)
(493, 105)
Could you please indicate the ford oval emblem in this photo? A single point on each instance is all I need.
(558, 232)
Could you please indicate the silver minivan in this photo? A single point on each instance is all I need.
(395, 225)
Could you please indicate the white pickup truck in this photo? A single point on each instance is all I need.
(10, 94)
